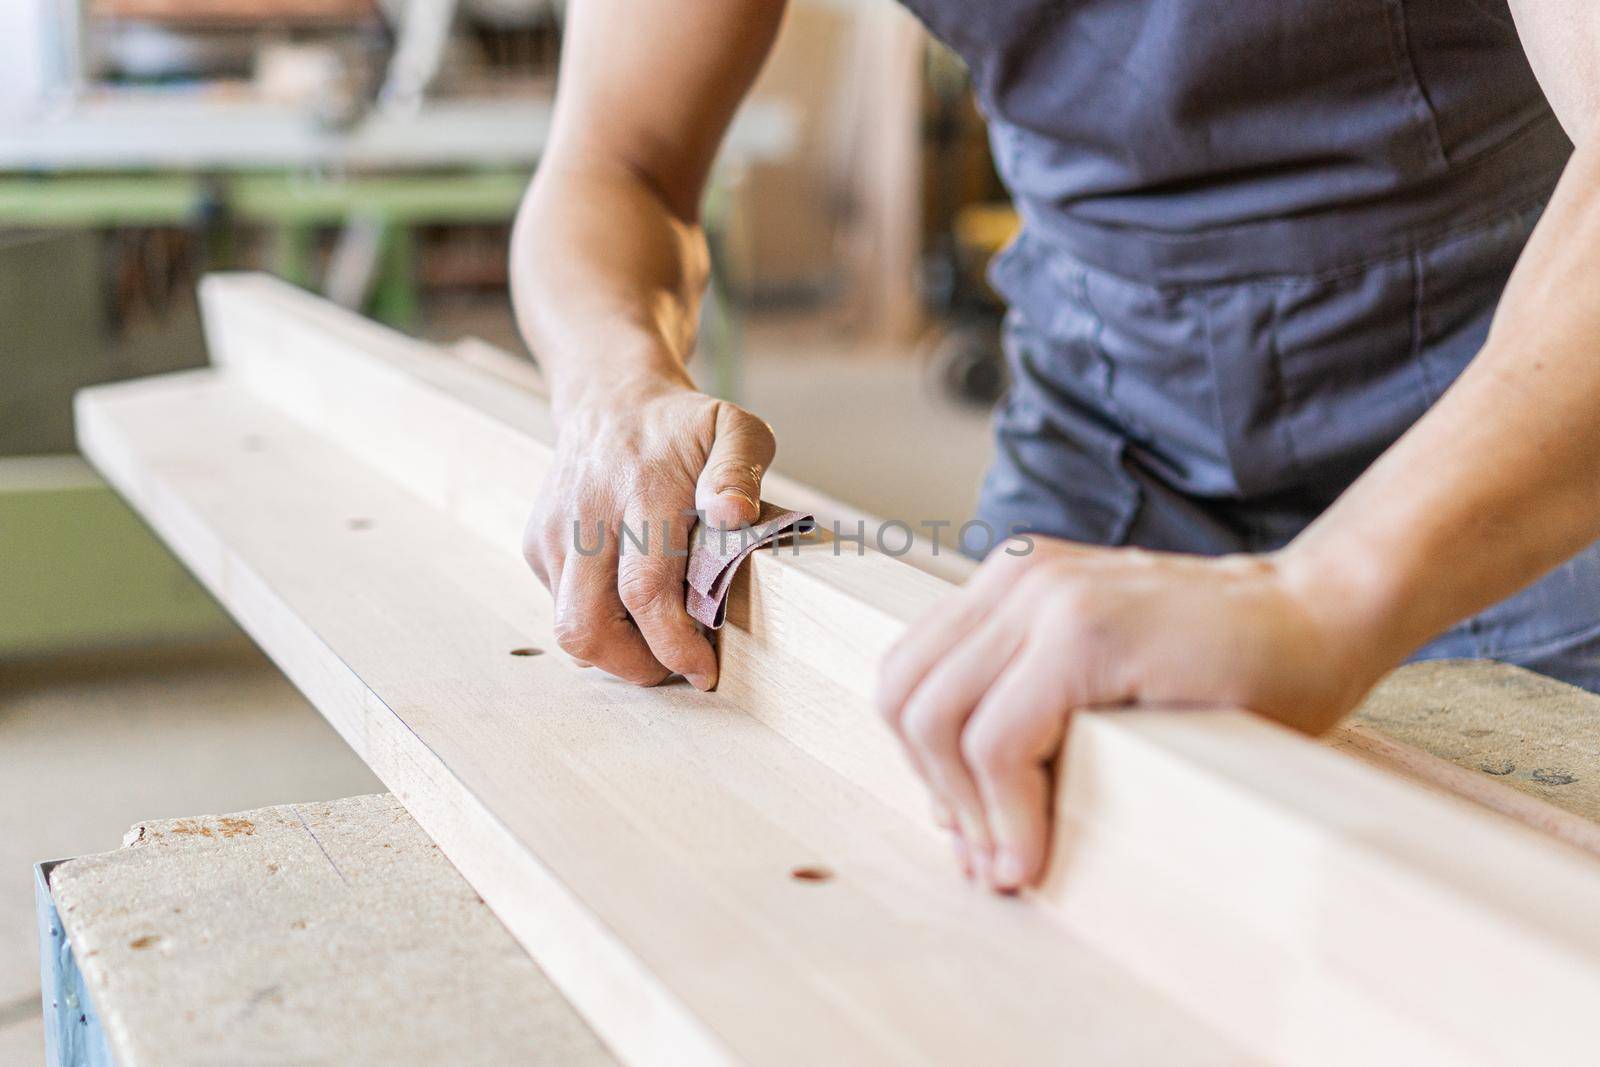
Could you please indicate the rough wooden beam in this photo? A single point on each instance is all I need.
(1308, 906)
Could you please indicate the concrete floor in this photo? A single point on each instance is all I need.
(91, 744)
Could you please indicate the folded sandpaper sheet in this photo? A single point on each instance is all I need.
(715, 556)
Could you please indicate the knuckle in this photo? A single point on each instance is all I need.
(577, 639)
(999, 562)
(1073, 606)
(892, 686)
(1074, 617)
(926, 728)
(891, 706)
(1004, 570)
(759, 430)
(1063, 591)
(544, 532)
(533, 536)
(637, 594)
(1042, 585)
(642, 588)
(675, 658)
(643, 675)
(734, 473)
(1002, 560)
(990, 752)
(533, 553)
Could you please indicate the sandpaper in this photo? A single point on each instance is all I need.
(715, 556)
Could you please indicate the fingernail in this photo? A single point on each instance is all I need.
(702, 682)
(738, 494)
(963, 858)
(1008, 870)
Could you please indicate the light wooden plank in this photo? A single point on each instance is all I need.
(640, 843)
(488, 450)
(1152, 799)
(1469, 925)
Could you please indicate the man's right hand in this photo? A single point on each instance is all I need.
(644, 457)
(608, 266)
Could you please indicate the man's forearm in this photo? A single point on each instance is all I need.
(1501, 480)
(606, 281)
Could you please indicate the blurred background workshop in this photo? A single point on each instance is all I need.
(374, 151)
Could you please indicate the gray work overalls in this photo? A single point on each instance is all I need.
(1260, 239)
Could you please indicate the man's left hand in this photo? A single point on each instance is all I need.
(980, 692)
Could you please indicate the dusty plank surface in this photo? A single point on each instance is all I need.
(1520, 729)
(322, 933)
(1505, 738)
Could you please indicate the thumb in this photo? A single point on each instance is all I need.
(729, 490)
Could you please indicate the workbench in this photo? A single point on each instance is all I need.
(325, 933)
(337, 933)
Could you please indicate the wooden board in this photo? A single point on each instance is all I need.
(639, 843)
(1305, 905)
(322, 933)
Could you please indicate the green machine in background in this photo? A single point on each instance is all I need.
(52, 336)
(294, 208)
(78, 570)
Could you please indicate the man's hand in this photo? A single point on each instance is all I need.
(608, 266)
(980, 692)
(645, 458)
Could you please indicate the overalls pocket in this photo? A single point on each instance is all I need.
(1058, 466)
